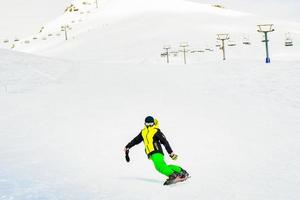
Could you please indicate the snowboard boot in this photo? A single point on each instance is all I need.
(184, 174)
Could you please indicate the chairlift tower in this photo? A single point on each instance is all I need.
(184, 45)
(96, 1)
(167, 47)
(265, 29)
(223, 37)
(65, 28)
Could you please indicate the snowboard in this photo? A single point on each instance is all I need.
(177, 180)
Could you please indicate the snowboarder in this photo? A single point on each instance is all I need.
(153, 138)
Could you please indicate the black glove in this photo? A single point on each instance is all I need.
(127, 155)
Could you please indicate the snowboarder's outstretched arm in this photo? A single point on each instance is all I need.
(138, 139)
(164, 141)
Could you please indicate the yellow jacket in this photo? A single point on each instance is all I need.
(152, 138)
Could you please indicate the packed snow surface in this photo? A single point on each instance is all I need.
(235, 127)
(69, 107)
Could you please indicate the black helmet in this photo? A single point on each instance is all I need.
(149, 119)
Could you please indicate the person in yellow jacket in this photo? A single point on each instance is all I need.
(153, 138)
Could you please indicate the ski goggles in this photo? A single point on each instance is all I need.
(149, 123)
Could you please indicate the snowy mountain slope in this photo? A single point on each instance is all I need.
(287, 10)
(133, 36)
(21, 18)
(119, 25)
(234, 123)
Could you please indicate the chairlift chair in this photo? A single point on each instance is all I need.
(209, 49)
(163, 54)
(288, 40)
(231, 43)
(174, 53)
(198, 51)
(246, 41)
(288, 43)
(263, 39)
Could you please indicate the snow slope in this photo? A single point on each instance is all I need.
(103, 33)
(234, 123)
(235, 127)
(277, 9)
(20, 71)
(21, 18)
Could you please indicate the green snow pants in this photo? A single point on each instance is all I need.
(162, 167)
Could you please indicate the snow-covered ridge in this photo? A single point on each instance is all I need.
(177, 6)
(119, 26)
(87, 18)
(87, 21)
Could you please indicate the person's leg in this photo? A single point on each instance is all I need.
(161, 166)
(175, 168)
